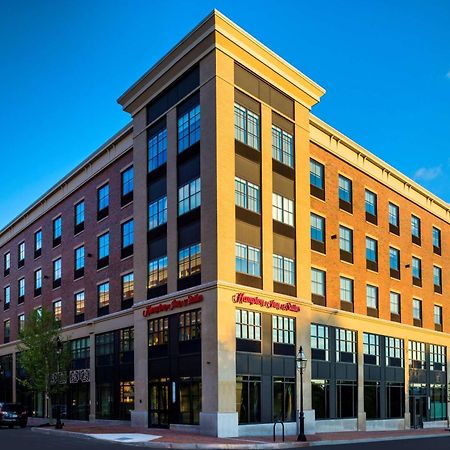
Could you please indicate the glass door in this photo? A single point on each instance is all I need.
(159, 390)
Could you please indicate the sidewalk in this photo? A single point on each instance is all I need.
(163, 438)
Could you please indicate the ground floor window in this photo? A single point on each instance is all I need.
(395, 400)
(346, 398)
(248, 399)
(320, 391)
(438, 403)
(105, 400)
(159, 401)
(126, 402)
(372, 399)
(284, 399)
(78, 401)
(190, 400)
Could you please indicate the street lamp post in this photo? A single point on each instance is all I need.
(301, 366)
(59, 345)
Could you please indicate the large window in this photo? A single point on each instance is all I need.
(78, 213)
(246, 126)
(371, 253)
(37, 282)
(21, 290)
(127, 236)
(283, 270)
(436, 235)
(394, 262)
(247, 195)
(21, 254)
(157, 149)
(189, 128)
(416, 354)
(103, 250)
(347, 398)
(318, 286)
(127, 181)
(127, 287)
(417, 309)
(346, 289)
(372, 296)
(37, 243)
(437, 279)
(370, 205)
(438, 402)
(248, 259)
(103, 198)
(394, 218)
(438, 317)
(79, 262)
(284, 399)
(317, 230)
(395, 303)
(395, 400)
(57, 272)
(371, 346)
(103, 295)
(345, 346)
(438, 358)
(283, 330)
(346, 243)
(189, 261)
(416, 271)
(57, 231)
(283, 209)
(157, 213)
(319, 342)
(415, 229)
(248, 399)
(345, 191)
(57, 310)
(316, 175)
(189, 325)
(189, 196)
(157, 272)
(394, 352)
(79, 300)
(282, 146)
(248, 325)
(158, 331)
(372, 399)
(320, 392)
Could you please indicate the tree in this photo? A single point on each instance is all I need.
(43, 356)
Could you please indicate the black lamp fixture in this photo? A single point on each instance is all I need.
(301, 367)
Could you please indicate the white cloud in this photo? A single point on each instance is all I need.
(428, 173)
(448, 75)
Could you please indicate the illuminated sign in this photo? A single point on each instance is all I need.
(269, 304)
(174, 304)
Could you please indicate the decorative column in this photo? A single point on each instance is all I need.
(361, 412)
(406, 366)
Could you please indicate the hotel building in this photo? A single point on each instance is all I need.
(191, 256)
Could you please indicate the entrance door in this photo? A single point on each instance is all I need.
(159, 391)
(418, 409)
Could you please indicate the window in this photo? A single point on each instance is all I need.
(318, 286)
(246, 126)
(415, 229)
(437, 240)
(437, 279)
(284, 399)
(395, 396)
(283, 209)
(37, 243)
(438, 317)
(157, 149)
(79, 306)
(21, 255)
(189, 325)
(6, 263)
(57, 268)
(283, 330)
(104, 349)
(317, 233)
(248, 259)
(248, 399)
(320, 392)
(37, 282)
(102, 201)
(371, 206)
(7, 297)
(395, 304)
(317, 179)
(21, 290)
(416, 354)
(157, 213)
(79, 262)
(127, 287)
(103, 296)
(394, 262)
(6, 331)
(20, 323)
(283, 270)
(372, 296)
(157, 272)
(247, 195)
(127, 238)
(346, 289)
(371, 254)
(189, 196)
(394, 219)
(346, 243)
(57, 310)
(371, 346)
(79, 217)
(416, 271)
(127, 180)
(319, 342)
(347, 398)
(57, 231)
(103, 250)
(189, 261)
(438, 402)
(438, 358)
(345, 193)
(345, 345)
(394, 352)
(158, 331)
(189, 128)
(417, 311)
(372, 399)
(282, 146)
(248, 325)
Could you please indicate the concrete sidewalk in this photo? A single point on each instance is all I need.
(163, 438)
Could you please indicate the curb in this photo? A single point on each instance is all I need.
(255, 445)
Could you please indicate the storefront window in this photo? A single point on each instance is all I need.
(104, 349)
(394, 352)
(372, 399)
(158, 331)
(438, 403)
(416, 355)
(438, 358)
(126, 345)
(126, 399)
(105, 400)
(395, 400)
(190, 400)
(319, 342)
(321, 398)
(190, 325)
(347, 396)
(284, 399)
(248, 399)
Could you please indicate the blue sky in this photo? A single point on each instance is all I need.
(385, 66)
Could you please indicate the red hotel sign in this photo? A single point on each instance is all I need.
(269, 304)
(174, 304)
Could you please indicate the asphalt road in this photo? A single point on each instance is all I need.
(26, 439)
